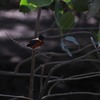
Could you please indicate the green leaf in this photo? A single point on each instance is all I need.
(29, 5)
(26, 7)
(24, 2)
(58, 10)
(66, 21)
(40, 3)
(94, 7)
(79, 5)
(67, 1)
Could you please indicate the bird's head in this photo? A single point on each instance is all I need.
(41, 37)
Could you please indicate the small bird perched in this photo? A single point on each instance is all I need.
(36, 42)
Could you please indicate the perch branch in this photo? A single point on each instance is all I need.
(33, 57)
(32, 75)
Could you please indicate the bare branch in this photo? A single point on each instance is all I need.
(60, 65)
(70, 93)
(13, 96)
(77, 77)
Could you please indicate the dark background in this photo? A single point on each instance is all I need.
(21, 28)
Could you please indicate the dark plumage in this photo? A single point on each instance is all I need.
(41, 37)
(32, 42)
(36, 42)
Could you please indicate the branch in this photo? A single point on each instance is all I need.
(33, 57)
(41, 79)
(32, 75)
(17, 43)
(13, 96)
(7, 73)
(60, 65)
(77, 77)
(20, 63)
(37, 23)
(56, 83)
(70, 93)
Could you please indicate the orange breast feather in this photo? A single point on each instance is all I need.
(37, 44)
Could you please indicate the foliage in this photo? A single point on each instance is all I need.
(94, 7)
(70, 39)
(66, 1)
(79, 5)
(64, 21)
(29, 5)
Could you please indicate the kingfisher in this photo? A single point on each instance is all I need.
(36, 42)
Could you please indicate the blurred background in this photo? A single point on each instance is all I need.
(21, 27)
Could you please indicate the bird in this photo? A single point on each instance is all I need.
(36, 42)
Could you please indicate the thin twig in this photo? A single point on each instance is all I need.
(56, 83)
(47, 64)
(70, 93)
(41, 79)
(65, 34)
(58, 66)
(7, 73)
(63, 55)
(78, 77)
(79, 28)
(20, 63)
(27, 59)
(17, 43)
(13, 96)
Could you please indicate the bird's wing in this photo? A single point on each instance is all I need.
(32, 42)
